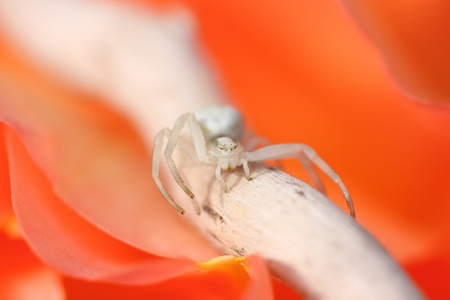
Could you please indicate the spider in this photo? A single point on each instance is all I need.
(214, 135)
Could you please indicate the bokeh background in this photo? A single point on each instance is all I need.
(305, 71)
(316, 73)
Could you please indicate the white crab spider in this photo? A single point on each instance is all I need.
(215, 132)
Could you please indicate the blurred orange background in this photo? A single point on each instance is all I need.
(303, 71)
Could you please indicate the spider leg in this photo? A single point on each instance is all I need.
(293, 150)
(156, 162)
(170, 147)
(198, 139)
(220, 179)
(186, 148)
(244, 162)
(200, 147)
(306, 162)
(251, 141)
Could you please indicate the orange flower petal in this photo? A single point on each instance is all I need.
(413, 38)
(94, 159)
(23, 277)
(433, 273)
(6, 212)
(260, 286)
(188, 287)
(70, 244)
(282, 291)
(224, 277)
(252, 276)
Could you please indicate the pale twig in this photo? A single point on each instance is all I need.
(307, 240)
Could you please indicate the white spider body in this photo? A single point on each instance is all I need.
(214, 135)
(218, 121)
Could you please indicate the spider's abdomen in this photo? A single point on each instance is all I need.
(220, 121)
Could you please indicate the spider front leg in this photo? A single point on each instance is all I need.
(220, 179)
(156, 162)
(199, 147)
(294, 150)
(174, 137)
(306, 162)
(244, 162)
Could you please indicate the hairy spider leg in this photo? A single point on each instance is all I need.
(244, 162)
(187, 149)
(199, 146)
(250, 141)
(306, 162)
(156, 161)
(198, 139)
(293, 150)
(220, 178)
(170, 147)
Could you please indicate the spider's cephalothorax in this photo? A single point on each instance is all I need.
(227, 151)
(213, 140)
(224, 144)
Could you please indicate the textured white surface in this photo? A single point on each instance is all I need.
(308, 241)
(148, 65)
